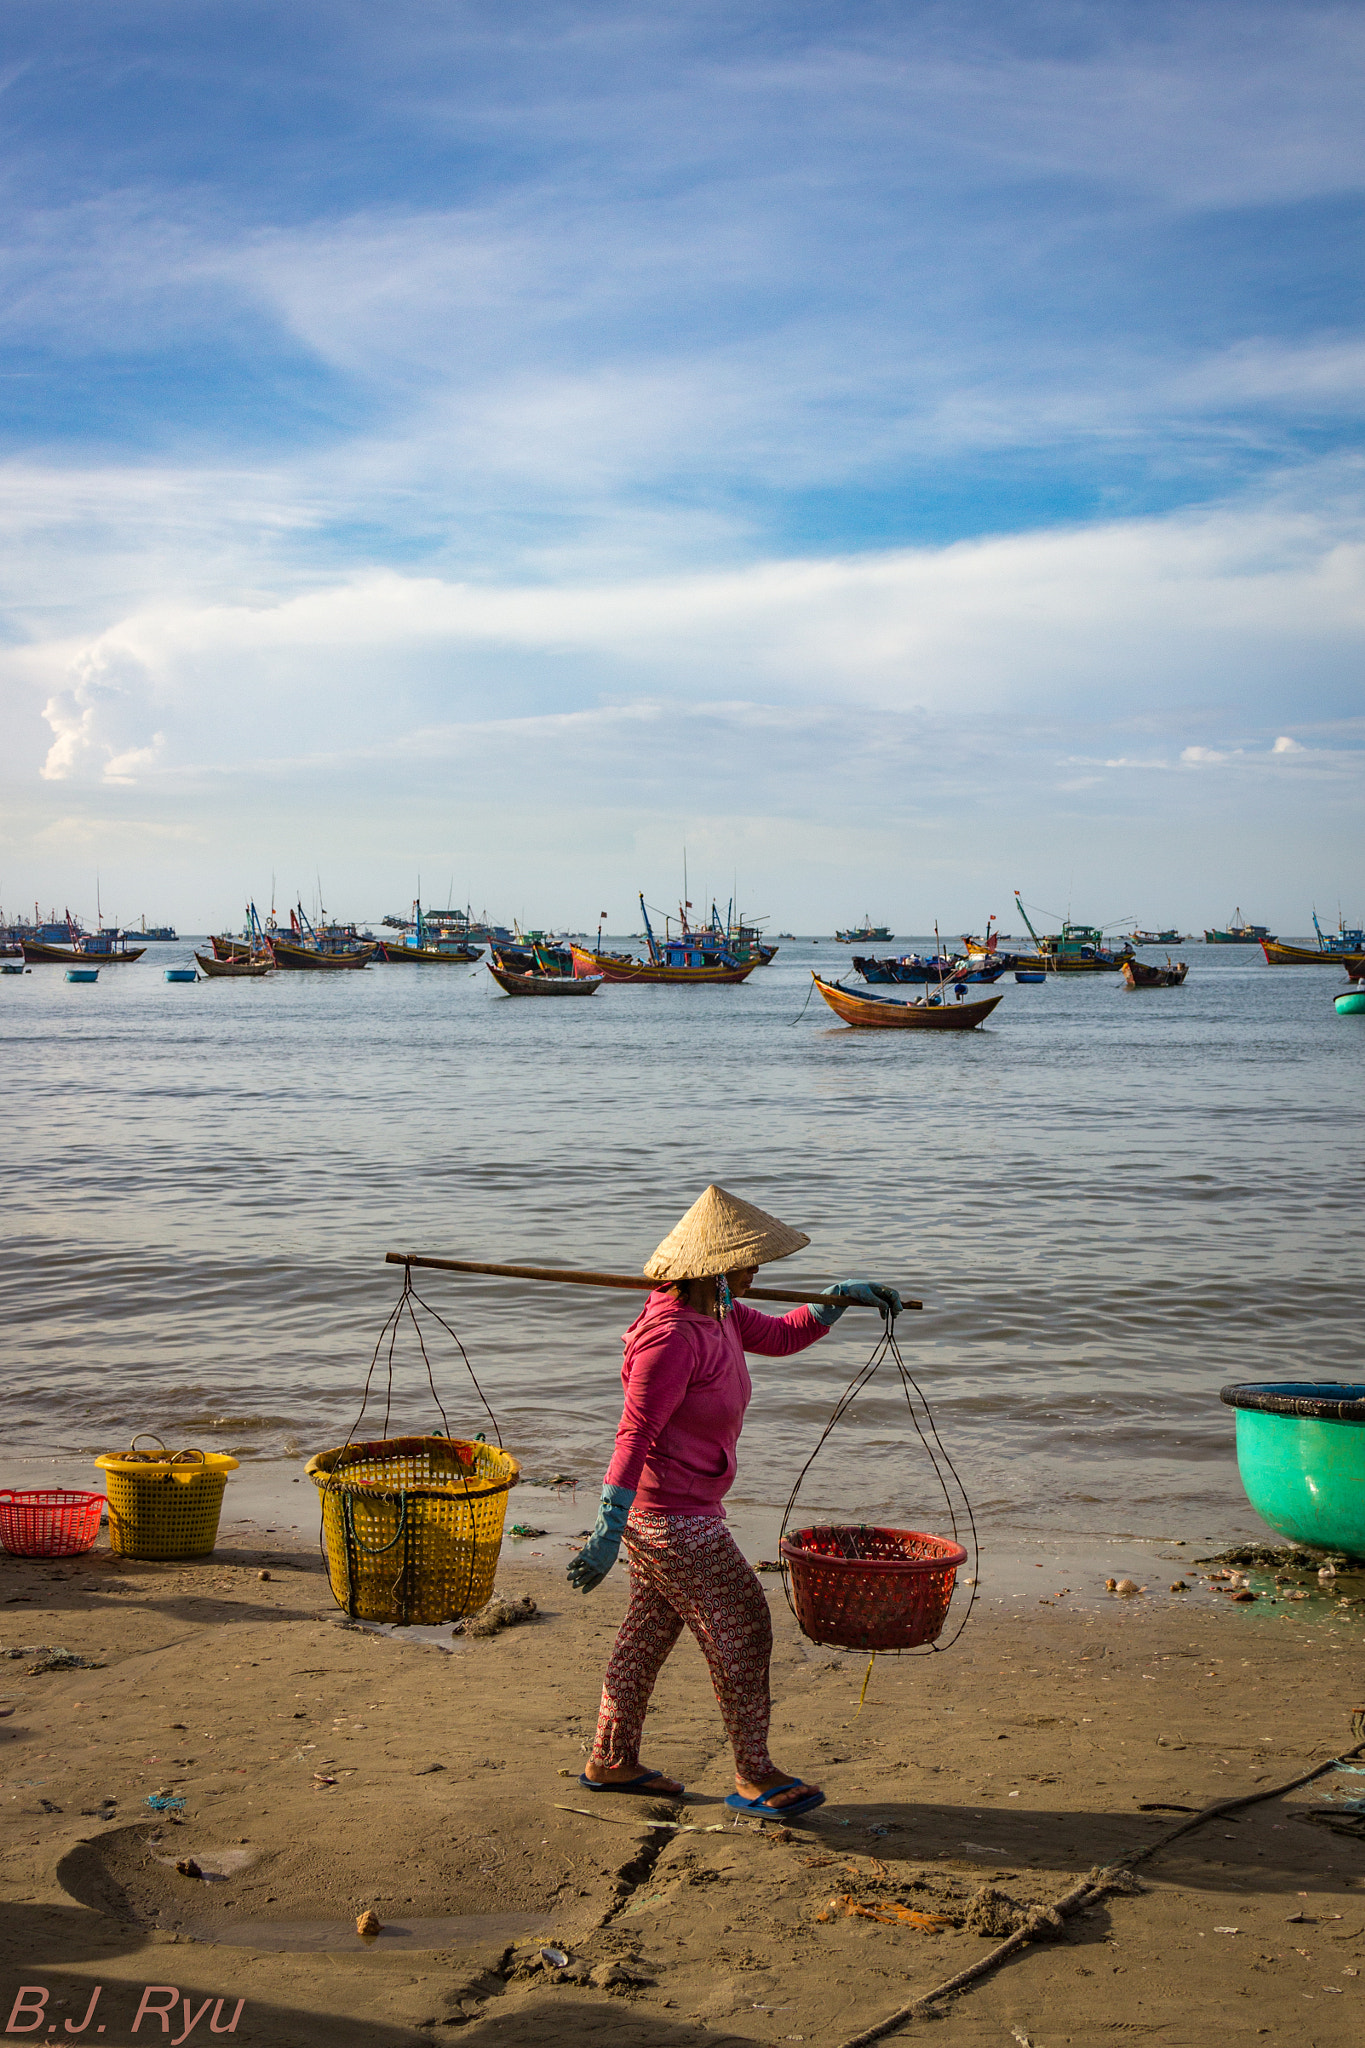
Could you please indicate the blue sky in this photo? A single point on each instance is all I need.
(905, 451)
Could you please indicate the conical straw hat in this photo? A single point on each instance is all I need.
(720, 1234)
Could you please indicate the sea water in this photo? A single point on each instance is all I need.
(1110, 1203)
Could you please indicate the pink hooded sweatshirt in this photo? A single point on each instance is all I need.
(687, 1388)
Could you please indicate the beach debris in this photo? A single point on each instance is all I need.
(768, 1564)
(166, 1801)
(524, 1529)
(1179, 1586)
(1125, 1588)
(263, 1575)
(1284, 1557)
(1244, 1593)
(188, 1867)
(500, 1613)
(844, 1906)
(557, 1958)
(993, 1913)
(1326, 1572)
(1227, 1930)
(615, 1976)
(425, 1770)
(58, 1659)
(368, 1924)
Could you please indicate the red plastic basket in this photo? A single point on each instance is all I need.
(871, 1589)
(54, 1521)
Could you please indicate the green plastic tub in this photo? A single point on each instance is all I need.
(1301, 1456)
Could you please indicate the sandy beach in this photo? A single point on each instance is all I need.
(326, 1769)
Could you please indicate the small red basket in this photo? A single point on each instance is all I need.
(871, 1589)
(55, 1521)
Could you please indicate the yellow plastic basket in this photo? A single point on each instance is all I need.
(164, 1506)
(412, 1526)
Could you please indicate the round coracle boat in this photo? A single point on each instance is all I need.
(1301, 1457)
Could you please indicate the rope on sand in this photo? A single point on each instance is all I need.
(1110, 1877)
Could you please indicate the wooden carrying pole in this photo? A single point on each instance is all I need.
(637, 1283)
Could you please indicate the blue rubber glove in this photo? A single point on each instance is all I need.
(867, 1293)
(603, 1547)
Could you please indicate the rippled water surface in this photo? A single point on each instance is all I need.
(1111, 1204)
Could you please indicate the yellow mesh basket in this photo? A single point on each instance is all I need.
(412, 1526)
(164, 1506)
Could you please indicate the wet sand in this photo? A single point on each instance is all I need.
(326, 1769)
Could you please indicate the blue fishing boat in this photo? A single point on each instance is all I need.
(82, 974)
(180, 974)
(1030, 979)
(1301, 1457)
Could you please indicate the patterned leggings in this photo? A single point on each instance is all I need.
(687, 1568)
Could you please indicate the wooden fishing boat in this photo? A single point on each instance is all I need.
(1239, 933)
(521, 983)
(1138, 974)
(288, 953)
(882, 1013)
(1277, 954)
(612, 968)
(865, 933)
(110, 949)
(423, 945)
(234, 970)
(1076, 948)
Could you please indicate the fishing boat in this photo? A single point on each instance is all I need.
(680, 962)
(1350, 1003)
(520, 982)
(163, 934)
(1031, 977)
(424, 944)
(324, 948)
(1344, 947)
(534, 953)
(289, 953)
(865, 934)
(1076, 948)
(1139, 938)
(180, 974)
(234, 970)
(109, 948)
(82, 974)
(922, 1013)
(1138, 974)
(1238, 933)
(17, 967)
(677, 965)
(1301, 1458)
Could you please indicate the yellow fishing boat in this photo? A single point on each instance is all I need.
(885, 1013)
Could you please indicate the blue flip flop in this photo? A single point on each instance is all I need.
(792, 1811)
(643, 1783)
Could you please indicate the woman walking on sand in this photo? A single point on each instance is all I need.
(687, 1388)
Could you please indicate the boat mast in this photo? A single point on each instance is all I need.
(649, 932)
(1024, 914)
